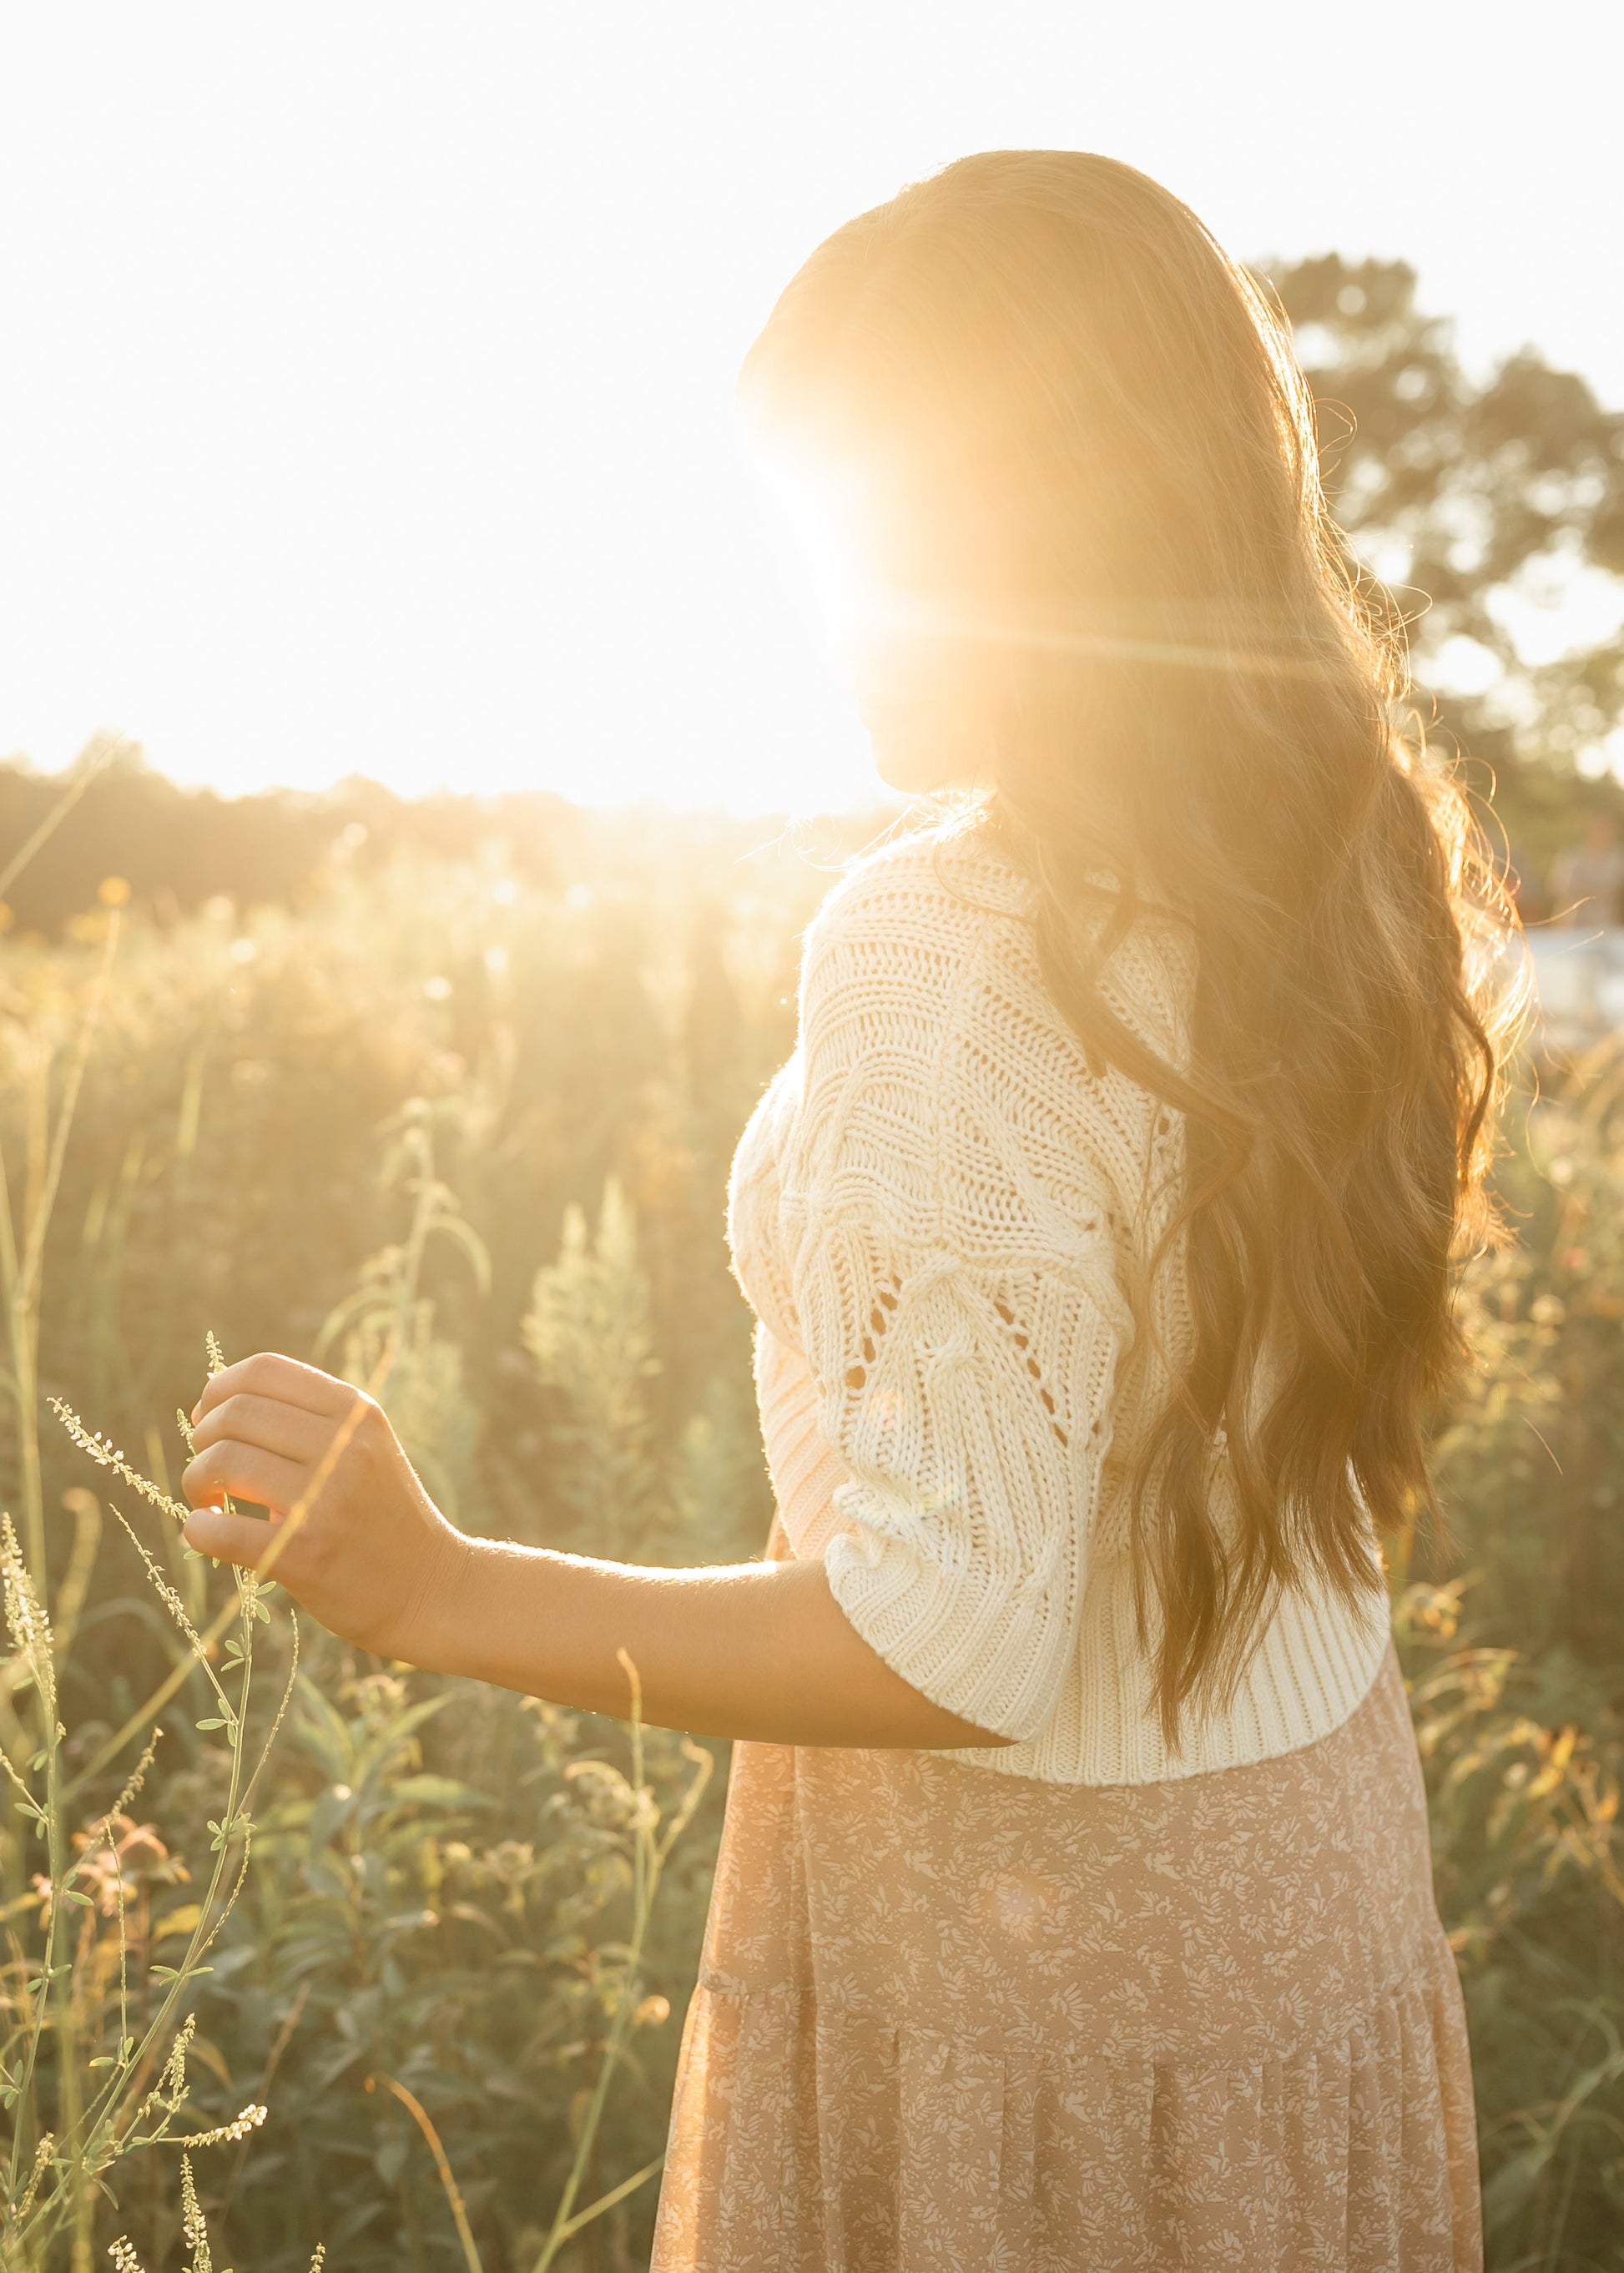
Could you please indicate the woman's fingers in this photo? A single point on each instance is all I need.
(240, 1539)
(269, 1374)
(290, 1430)
(353, 1535)
(247, 1472)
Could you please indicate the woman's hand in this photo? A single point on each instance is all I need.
(352, 1535)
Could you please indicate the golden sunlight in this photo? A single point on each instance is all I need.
(379, 413)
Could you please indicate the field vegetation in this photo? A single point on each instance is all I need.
(471, 1142)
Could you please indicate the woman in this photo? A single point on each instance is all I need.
(1074, 1906)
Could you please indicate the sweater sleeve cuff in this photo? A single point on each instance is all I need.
(996, 1655)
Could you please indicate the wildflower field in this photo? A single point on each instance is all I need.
(304, 1951)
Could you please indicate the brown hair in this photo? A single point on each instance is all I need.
(1088, 441)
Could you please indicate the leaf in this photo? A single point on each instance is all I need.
(461, 1233)
(203, 2049)
(323, 1730)
(184, 1920)
(437, 1791)
(402, 1726)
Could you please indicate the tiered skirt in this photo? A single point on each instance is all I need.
(950, 2022)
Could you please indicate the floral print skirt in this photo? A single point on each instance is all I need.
(954, 2021)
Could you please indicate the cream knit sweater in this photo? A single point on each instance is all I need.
(936, 1212)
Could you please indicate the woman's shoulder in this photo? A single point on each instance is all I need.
(952, 862)
(926, 908)
(920, 972)
(923, 903)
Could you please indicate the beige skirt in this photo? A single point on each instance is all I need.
(956, 2023)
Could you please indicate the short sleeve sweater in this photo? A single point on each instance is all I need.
(939, 1214)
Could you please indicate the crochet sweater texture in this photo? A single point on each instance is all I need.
(937, 1213)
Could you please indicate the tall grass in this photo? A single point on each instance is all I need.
(471, 1142)
(62, 1993)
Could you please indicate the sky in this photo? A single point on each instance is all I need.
(366, 399)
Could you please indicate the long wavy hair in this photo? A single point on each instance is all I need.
(1077, 432)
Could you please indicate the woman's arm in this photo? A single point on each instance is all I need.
(758, 1650)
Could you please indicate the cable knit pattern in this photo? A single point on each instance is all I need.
(938, 1211)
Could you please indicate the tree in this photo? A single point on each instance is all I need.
(1472, 501)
